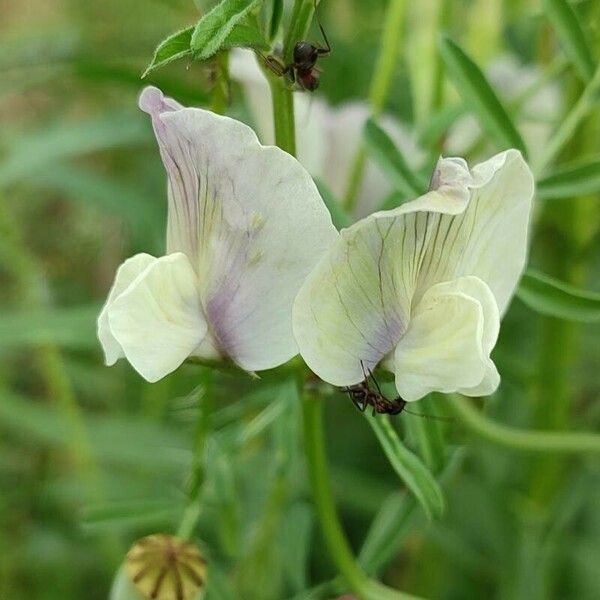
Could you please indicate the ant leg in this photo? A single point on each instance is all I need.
(275, 65)
(375, 382)
(322, 51)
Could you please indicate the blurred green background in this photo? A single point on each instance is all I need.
(93, 458)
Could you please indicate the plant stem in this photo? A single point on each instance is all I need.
(588, 100)
(193, 509)
(380, 87)
(283, 115)
(529, 440)
(335, 539)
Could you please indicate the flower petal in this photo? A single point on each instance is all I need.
(126, 273)
(447, 345)
(258, 227)
(355, 305)
(158, 319)
(489, 238)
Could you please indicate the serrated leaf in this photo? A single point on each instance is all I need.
(245, 36)
(579, 179)
(174, 47)
(214, 27)
(388, 157)
(417, 478)
(571, 36)
(554, 298)
(478, 95)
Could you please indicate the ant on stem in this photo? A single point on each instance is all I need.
(363, 396)
(302, 69)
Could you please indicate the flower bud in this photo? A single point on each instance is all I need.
(161, 567)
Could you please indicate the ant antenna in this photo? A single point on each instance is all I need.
(435, 417)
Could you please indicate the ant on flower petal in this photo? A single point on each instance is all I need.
(363, 396)
(302, 69)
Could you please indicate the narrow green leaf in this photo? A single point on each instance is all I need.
(393, 521)
(555, 298)
(571, 36)
(172, 48)
(384, 152)
(572, 181)
(214, 27)
(417, 478)
(478, 95)
(276, 15)
(339, 216)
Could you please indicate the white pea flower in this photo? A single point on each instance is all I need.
(421, 288)
(245, 226)
(327, 138)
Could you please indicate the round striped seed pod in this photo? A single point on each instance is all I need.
(161, 567)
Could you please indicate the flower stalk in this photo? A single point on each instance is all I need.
(339, 548)
(523, 440)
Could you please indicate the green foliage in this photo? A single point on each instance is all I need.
(214, 28)
(478, 95)
(571, 181)
(173, 47)
(554, 298)
(410, 469)
(572, 37)
(389, 158)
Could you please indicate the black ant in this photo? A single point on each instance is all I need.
(363, 396)
(302, 69)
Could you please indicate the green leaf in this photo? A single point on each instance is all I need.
(478, 95)
(213, 29)
(245, 35)
(572, 181)
(339, 216)
(417, 478)
(391, 524)
(389, 158)
(571, 36)
(174, 47)
(178, 45)
(554, 298)
(276, 15)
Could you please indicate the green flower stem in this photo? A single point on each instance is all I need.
(281, 95)
(283, 114)
(379, 90)
(335, 539)
(529, 440)
(192, 512)
(588, 100)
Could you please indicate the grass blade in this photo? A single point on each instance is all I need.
(572, 181)
(389, 158)
(571, 36)
(479, 97)
(554, 298)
